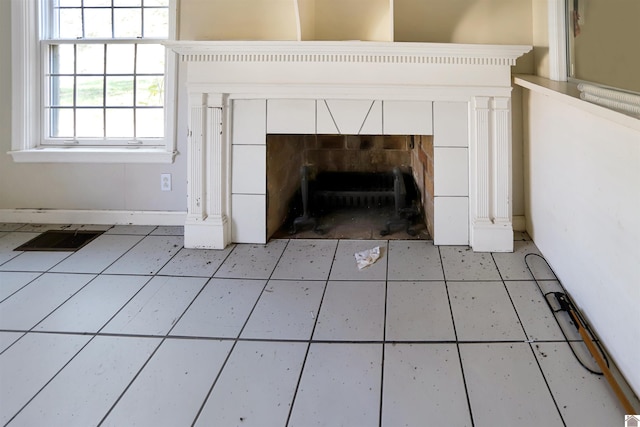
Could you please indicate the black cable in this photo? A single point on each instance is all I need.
(566, 304)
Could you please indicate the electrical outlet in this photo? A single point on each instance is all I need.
(165, 181)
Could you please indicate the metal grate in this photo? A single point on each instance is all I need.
(63, 241)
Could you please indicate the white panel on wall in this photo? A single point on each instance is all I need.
(450, 124)
(249, 121)
(451, 223)
(291, 116)
(324, 121)
(249, 213)
(373, 123)
(249, 169)
(451, 171)
(407, 118)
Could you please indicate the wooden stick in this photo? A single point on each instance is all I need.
(602, 364)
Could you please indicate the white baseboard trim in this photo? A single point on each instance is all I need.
(102, 217)
(519, 223)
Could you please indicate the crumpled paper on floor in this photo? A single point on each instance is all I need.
(367, 257)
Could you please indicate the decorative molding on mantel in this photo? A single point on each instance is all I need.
(348, 52)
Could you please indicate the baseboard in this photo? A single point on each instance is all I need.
(519, 223)
(103, 217)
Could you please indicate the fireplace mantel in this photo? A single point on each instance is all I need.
(290, 77)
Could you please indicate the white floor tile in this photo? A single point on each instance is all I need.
(172, 386)
(418, 311)
(99, 254)
(344, 264)
(24, 309)
(595, 404)
(340, 386)
(10, 241)
(221, 309)
(286, 310)
(461, 263)
(88, 386)
(168, 230)
(8, 338)
(482, 311)
(11, 281)
(352, 311)
(423, 386)
(414, 260)
(505, 386)
(148, 256)
(256, 386)
(512, 265)
(141, 230)
(91, 308)
(41, 228)
(156, 308)
(306, 260)
(29, 364)
(34, 261)
(196, 262)
(520, 235)
(252, 261)
(536, 316)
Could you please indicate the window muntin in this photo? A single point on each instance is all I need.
(104, 72)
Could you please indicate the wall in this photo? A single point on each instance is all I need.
(606, 51)
(582, 203)
(130, 187)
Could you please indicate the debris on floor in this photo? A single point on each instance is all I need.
(367, 257)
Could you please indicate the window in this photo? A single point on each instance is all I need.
(104, 82)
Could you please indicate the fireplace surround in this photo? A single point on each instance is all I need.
(241, 91)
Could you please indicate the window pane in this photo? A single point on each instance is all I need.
(150, 59)
(119, 123)
(94, 3)
(97, 23)
(120, 91)
(156, 3)
(62, 59)
(69, 24)
(120, 58)
(150, 91)
(90, 59)
(89, 91)
(89, 123)
(156, 23)
(149, 123)
(62, 122)
(126, 2)
(127, 23)
(61, 91)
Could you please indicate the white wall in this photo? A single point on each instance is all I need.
(582, 182)
(130, 187)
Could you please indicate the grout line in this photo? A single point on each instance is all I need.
(533, 353)
(384, 333)
(237, 339)
(455, 333)
(313, 330)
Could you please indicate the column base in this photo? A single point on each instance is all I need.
(492, 237)
(210, 233)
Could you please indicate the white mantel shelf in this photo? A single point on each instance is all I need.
(236, 88)
(348, 51)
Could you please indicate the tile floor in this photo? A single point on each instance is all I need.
(134, 330)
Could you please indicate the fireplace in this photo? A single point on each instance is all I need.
(456, 98)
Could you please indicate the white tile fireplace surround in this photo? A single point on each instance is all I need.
(241, 91)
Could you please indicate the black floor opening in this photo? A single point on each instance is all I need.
(55, 240)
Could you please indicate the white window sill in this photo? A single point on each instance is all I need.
(568, 92)
(93, 155)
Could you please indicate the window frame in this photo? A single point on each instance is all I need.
(28, 100)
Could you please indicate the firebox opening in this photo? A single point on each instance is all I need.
(356, 184)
